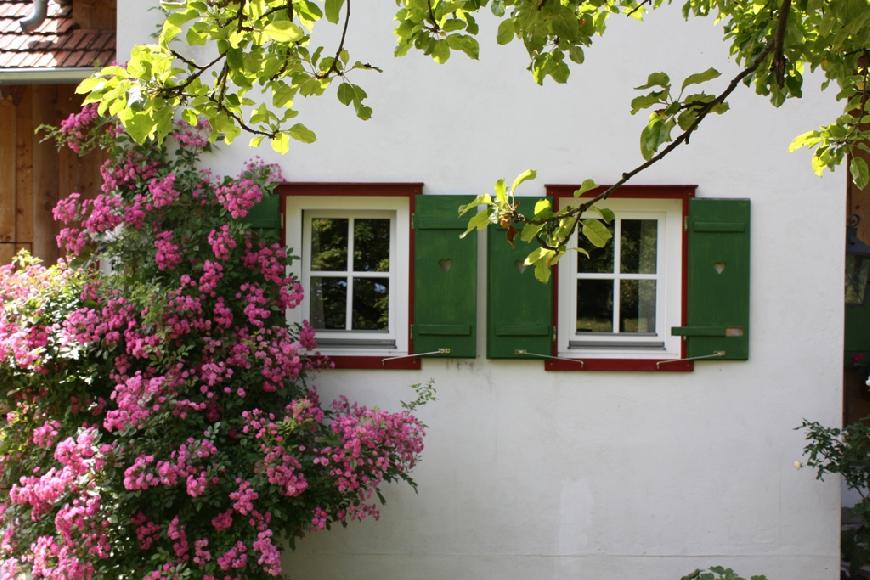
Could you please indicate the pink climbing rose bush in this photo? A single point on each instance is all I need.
(160, 418)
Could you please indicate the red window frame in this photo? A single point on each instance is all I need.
(682, 192)
(366, 189)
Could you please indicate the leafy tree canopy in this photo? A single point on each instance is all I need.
(265, 47)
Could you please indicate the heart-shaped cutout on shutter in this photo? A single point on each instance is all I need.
(445, 264)
(719, 267)
(521, 265)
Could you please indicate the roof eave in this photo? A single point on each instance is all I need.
(56, 76)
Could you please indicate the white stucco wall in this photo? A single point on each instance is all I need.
(536, 475)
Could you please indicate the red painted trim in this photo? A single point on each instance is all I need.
(684, 192)
(375, 363)
(631, 191)
(387, 189)
(684, 291)
(369, 189)
(412, 207)
(627, 365)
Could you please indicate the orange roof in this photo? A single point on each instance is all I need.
(57, 43)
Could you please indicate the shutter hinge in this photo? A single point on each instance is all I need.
(413, 215)
(685, 223)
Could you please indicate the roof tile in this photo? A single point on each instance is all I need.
(57, 42)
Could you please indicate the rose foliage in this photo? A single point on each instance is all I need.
(159, 418)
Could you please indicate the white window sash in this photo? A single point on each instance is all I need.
(668, 277)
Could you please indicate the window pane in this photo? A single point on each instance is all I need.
(328, 303)
(594, 305)
(371, 245)
(637, 306)
(329, 244)
(600, 260)
(638, 246)
(371, 303)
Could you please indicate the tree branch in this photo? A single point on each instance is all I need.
(681, 139)
(200, 69)
(778, 64)
(638, 7)
(333, 68)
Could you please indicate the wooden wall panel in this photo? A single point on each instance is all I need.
(97, 14)
(7, 169)
(24, 167)
(859, 205)
(34, 174)
(7, 251)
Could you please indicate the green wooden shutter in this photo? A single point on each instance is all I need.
(445, 278)
(718, 284)
(266, 215)
(519, 308)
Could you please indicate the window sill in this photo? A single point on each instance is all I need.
(375, 362)
(617, 365)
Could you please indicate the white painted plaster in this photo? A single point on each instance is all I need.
(599, 476)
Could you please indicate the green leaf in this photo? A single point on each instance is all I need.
(465, 43)
(345, 93)
(529, 231)
(701, 77)
(542, 271)
(302, 133)
(281, 143)
(283, 31)
(332, 10)
(505, 31)
(479, 221)
(646, 101)
(587, 185)
(480, 199)
(656, 79)
(90, 84)
(522, 177)
(808, 139)
(859, 171)
(441, 51)
(282, 96)
(543, 206)
(654, 134)
(534, 256)
(501, 192)
(596, 232)
(190, 116)
(139, 126)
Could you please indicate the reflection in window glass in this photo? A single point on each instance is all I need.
(594, 306)
(328, 244)
(600, 260)
(638, 244)
(328, 303)
(637, 306)
(371, 304)
(371, 245)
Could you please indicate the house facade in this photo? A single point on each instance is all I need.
(576, 434)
